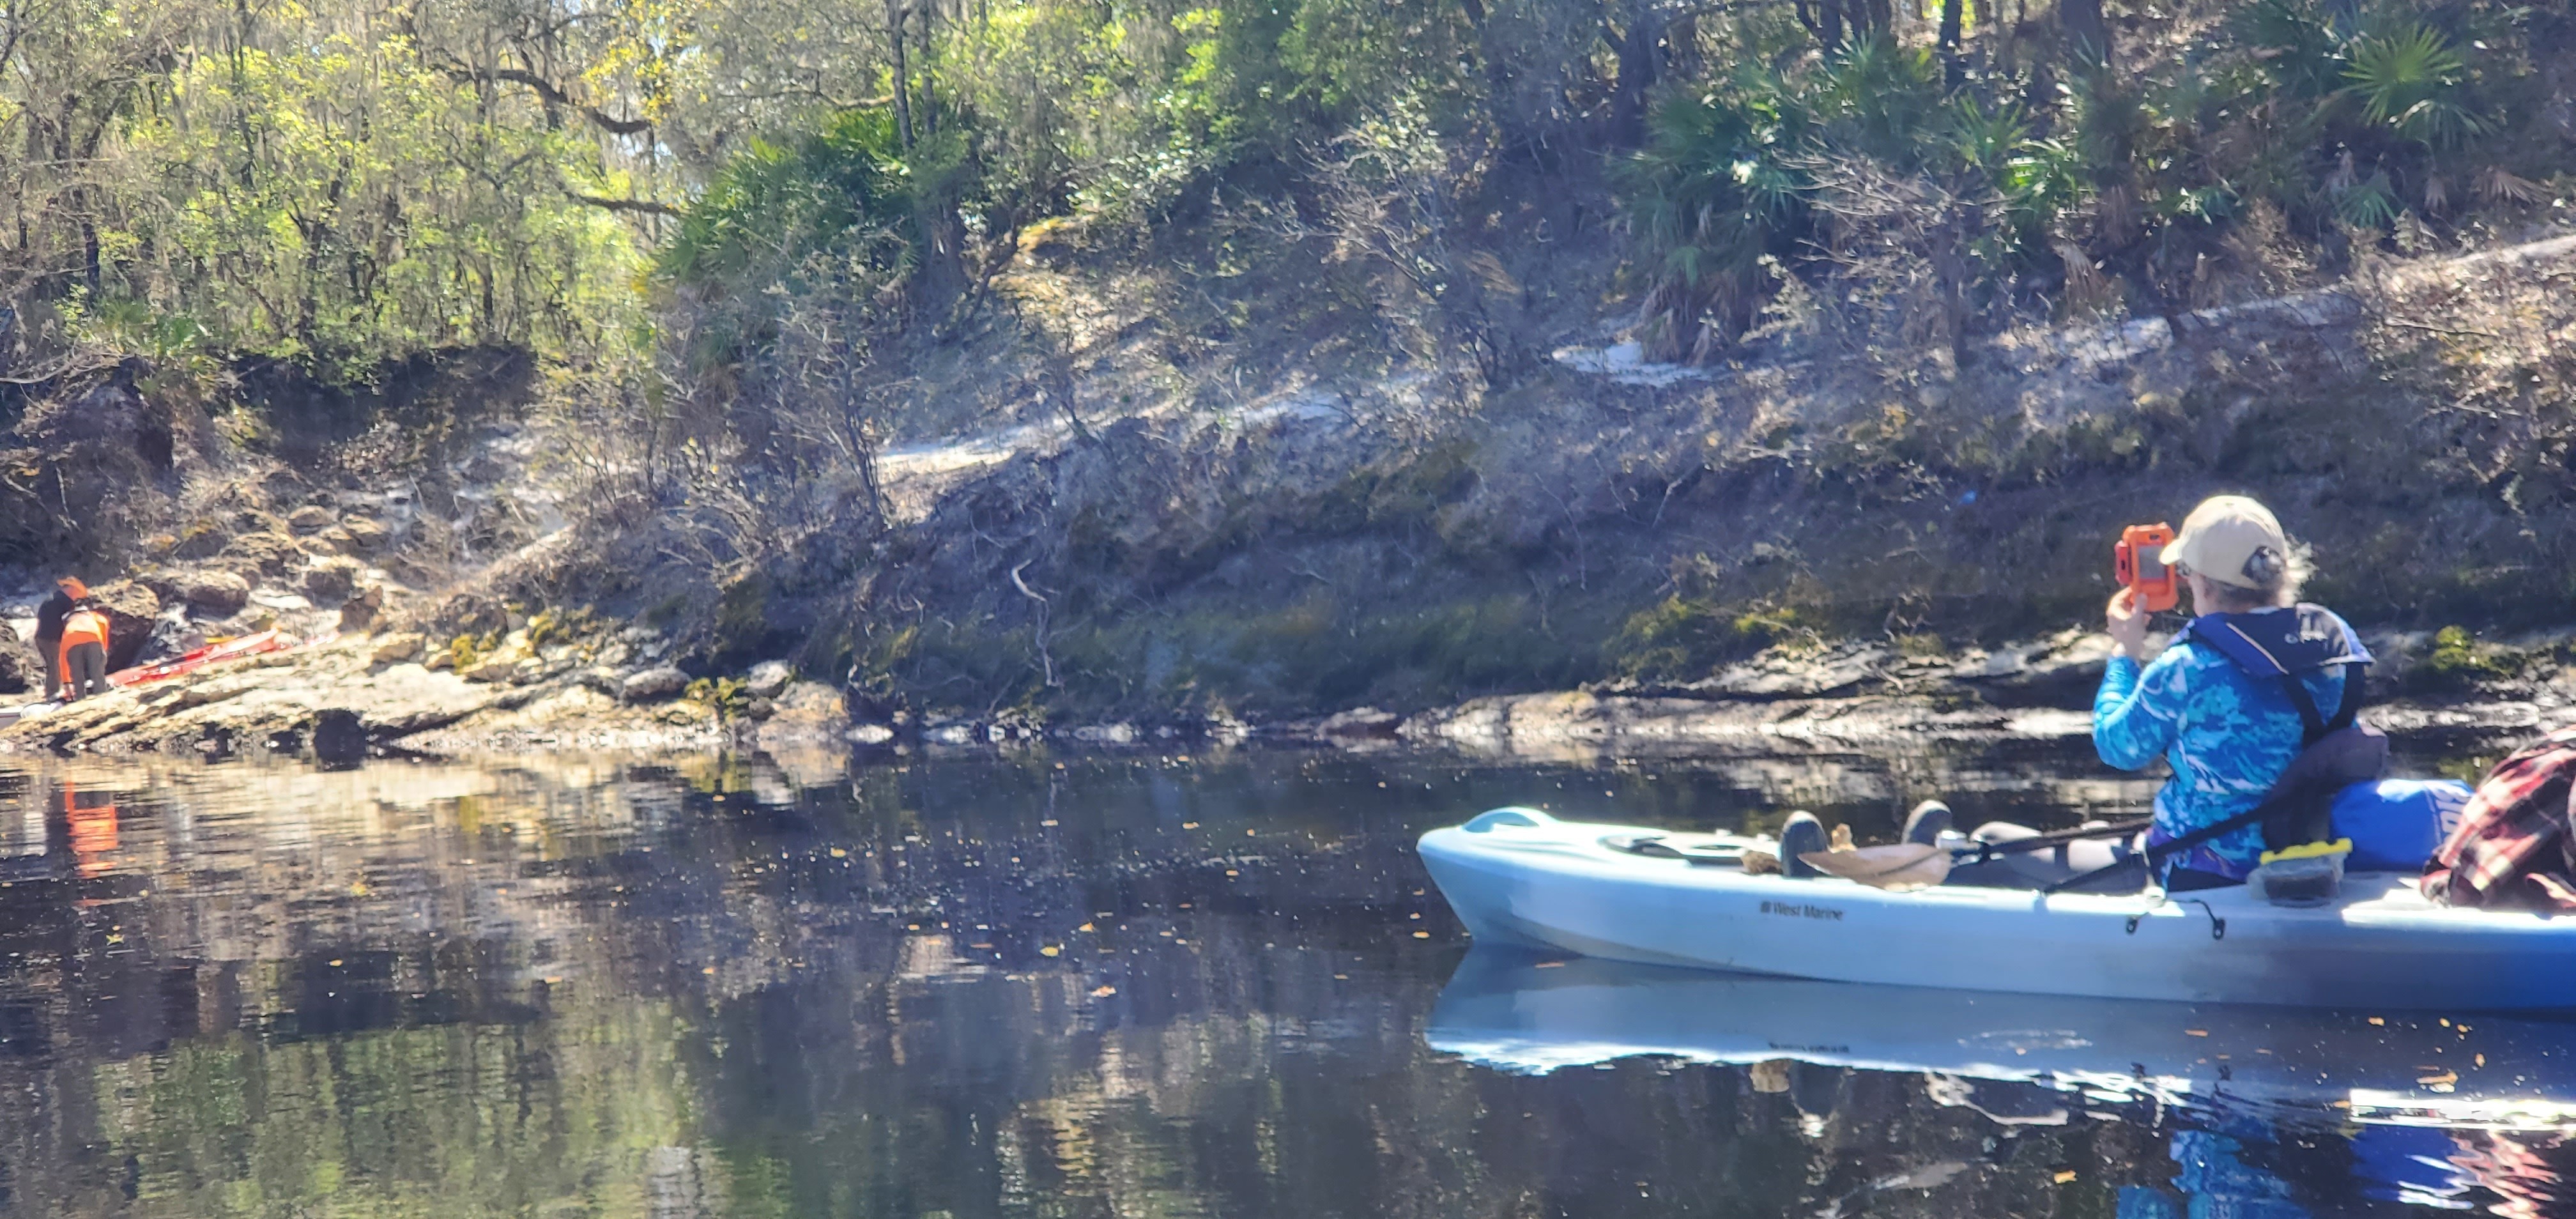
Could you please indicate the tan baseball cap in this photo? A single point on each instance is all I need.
(2232, 540)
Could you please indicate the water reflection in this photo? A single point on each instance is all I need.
(1518, 1012)
(1045, 986)
(2433, 1098)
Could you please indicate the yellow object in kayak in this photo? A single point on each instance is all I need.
(2309, 850)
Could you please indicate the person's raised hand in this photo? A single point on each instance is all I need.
(2126, 621)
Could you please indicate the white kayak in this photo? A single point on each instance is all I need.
(1521, 877)
(1522, 1013)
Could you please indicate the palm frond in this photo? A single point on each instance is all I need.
(2370, 204)
(2497, 184)
(2413, 80)
(2296, 41)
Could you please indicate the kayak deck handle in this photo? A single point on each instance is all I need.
(2217, 925)
(1487, 821)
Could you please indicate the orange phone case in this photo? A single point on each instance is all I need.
(2139, 563)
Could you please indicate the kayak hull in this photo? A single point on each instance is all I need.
(1518, 877)
(1517, 1012)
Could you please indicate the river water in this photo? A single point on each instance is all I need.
(1144, 984)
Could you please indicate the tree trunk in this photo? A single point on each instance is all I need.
(1880, 18)
(1953, 23)
(1824, 19)
(90, 266)
(1511, 130)
(2088, 38)
(902, 78)
(1682, 59)
(929, 58)
(1639, 57)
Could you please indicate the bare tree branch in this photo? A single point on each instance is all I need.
(553, 93)
(650, 207)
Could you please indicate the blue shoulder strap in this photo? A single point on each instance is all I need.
(2285, 643)
(2278, 642)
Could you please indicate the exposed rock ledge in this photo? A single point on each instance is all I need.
(1579, 725)
(342, 699)
(337, 700)
(1582, 727)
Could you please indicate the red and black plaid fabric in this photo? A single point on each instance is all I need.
(2513, 847)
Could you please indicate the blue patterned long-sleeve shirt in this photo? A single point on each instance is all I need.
(2227, 735)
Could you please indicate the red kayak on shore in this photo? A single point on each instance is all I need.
(212, 654)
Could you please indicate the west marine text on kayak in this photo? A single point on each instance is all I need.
(1802, 910)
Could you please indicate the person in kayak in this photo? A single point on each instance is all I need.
(2240, 694)
(2204, 703)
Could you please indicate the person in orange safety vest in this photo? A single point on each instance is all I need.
(93, 831)
(84, 653)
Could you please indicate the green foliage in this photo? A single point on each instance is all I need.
(2297, 44)
(2395, 93)
(837, 193)
(1716, 190)
(828, 215)
(2335, 116)
(2412, 79)
(345, 184)
(1880, 100)
(2470, 768)
(2459, 661)
(1729, 184)
(2370, 204)
(557, 626)
(729, 697)
(1348, 57)
(1682, 637)
(300, 185)
(1116, 113)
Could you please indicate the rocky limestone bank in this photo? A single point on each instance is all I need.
(351, 696)
(2436, 693)
(2439, 696)
(392, 694)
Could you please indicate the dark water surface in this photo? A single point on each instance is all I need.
(1088, 986)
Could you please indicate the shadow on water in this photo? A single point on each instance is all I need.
(1093, 986)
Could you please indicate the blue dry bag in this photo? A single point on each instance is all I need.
(2397, 824)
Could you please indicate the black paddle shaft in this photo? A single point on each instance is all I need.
(1983, 851)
